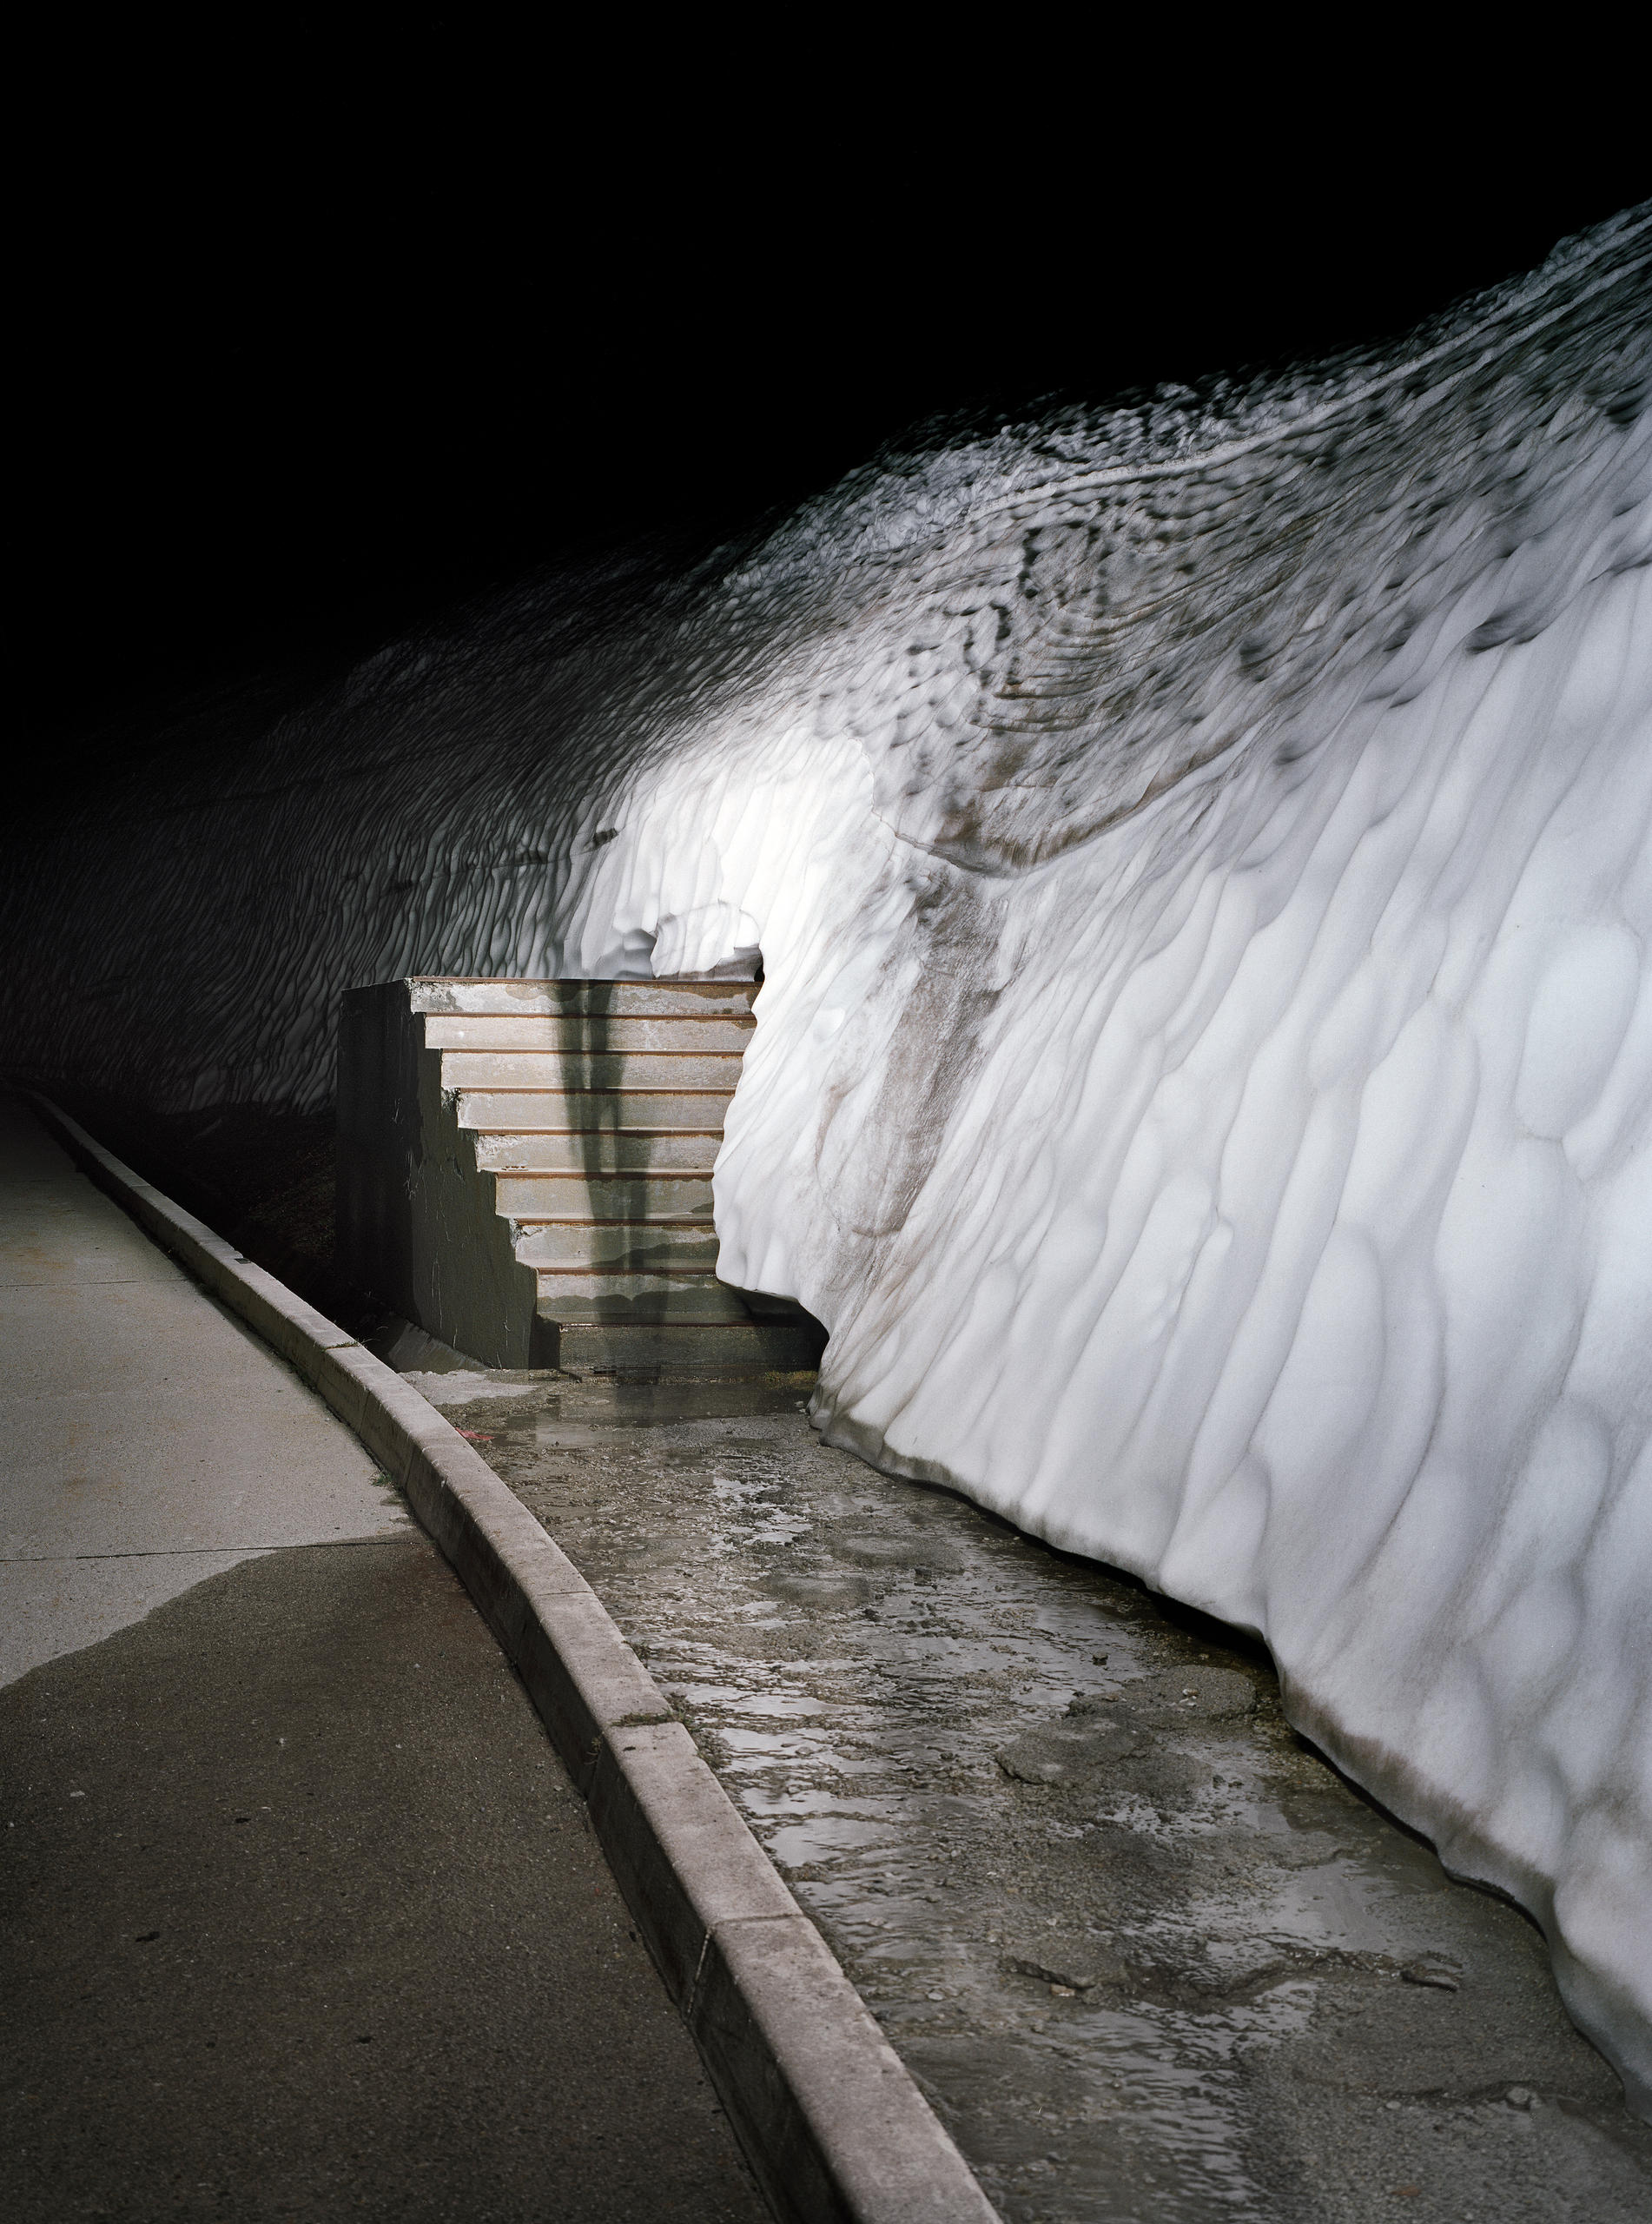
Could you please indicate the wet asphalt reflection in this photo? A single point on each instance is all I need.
(1148, 1954)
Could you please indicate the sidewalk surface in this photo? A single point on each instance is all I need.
(299, 1912)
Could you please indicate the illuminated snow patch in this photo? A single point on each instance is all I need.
(1200, 856)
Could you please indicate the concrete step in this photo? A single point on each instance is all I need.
(582, 1035)
(603, 1111)
(619, 1247)
(561, 1199)
(645, 1198)
(740, 1349)
(597, 1153)
(573, 1297)
(549, 1069)
(689, 999)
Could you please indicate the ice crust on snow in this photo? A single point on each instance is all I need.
(1201, 854)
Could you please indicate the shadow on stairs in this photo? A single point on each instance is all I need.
(524, 1172)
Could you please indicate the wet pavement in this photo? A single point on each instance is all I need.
(1148, 1954)
(303, 1919)
(300, 1913)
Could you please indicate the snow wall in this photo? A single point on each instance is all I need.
(1201, 853)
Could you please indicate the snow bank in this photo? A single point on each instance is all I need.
(1202, 858)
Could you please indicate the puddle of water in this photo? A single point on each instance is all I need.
(1143, 1950)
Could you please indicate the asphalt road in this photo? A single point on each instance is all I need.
(300, 1916)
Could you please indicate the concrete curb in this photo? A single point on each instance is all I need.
(829, 2117)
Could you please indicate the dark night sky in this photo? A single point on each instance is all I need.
(375, 334)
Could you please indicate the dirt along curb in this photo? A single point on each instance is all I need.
(831, 2121)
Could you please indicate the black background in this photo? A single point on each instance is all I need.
(314, 341)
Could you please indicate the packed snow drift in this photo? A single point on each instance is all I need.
(1201, 856)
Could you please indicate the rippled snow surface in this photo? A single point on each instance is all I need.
(1200, 857)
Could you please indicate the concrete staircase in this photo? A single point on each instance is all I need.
(525, 1171)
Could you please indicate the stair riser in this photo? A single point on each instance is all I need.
(597, 1155)
(598, 1112)
(604, 1248)
(637, 1298)
(579, 1038)
(576, 1197)
(549, 1069)
(738, 1349)
(615, 999)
